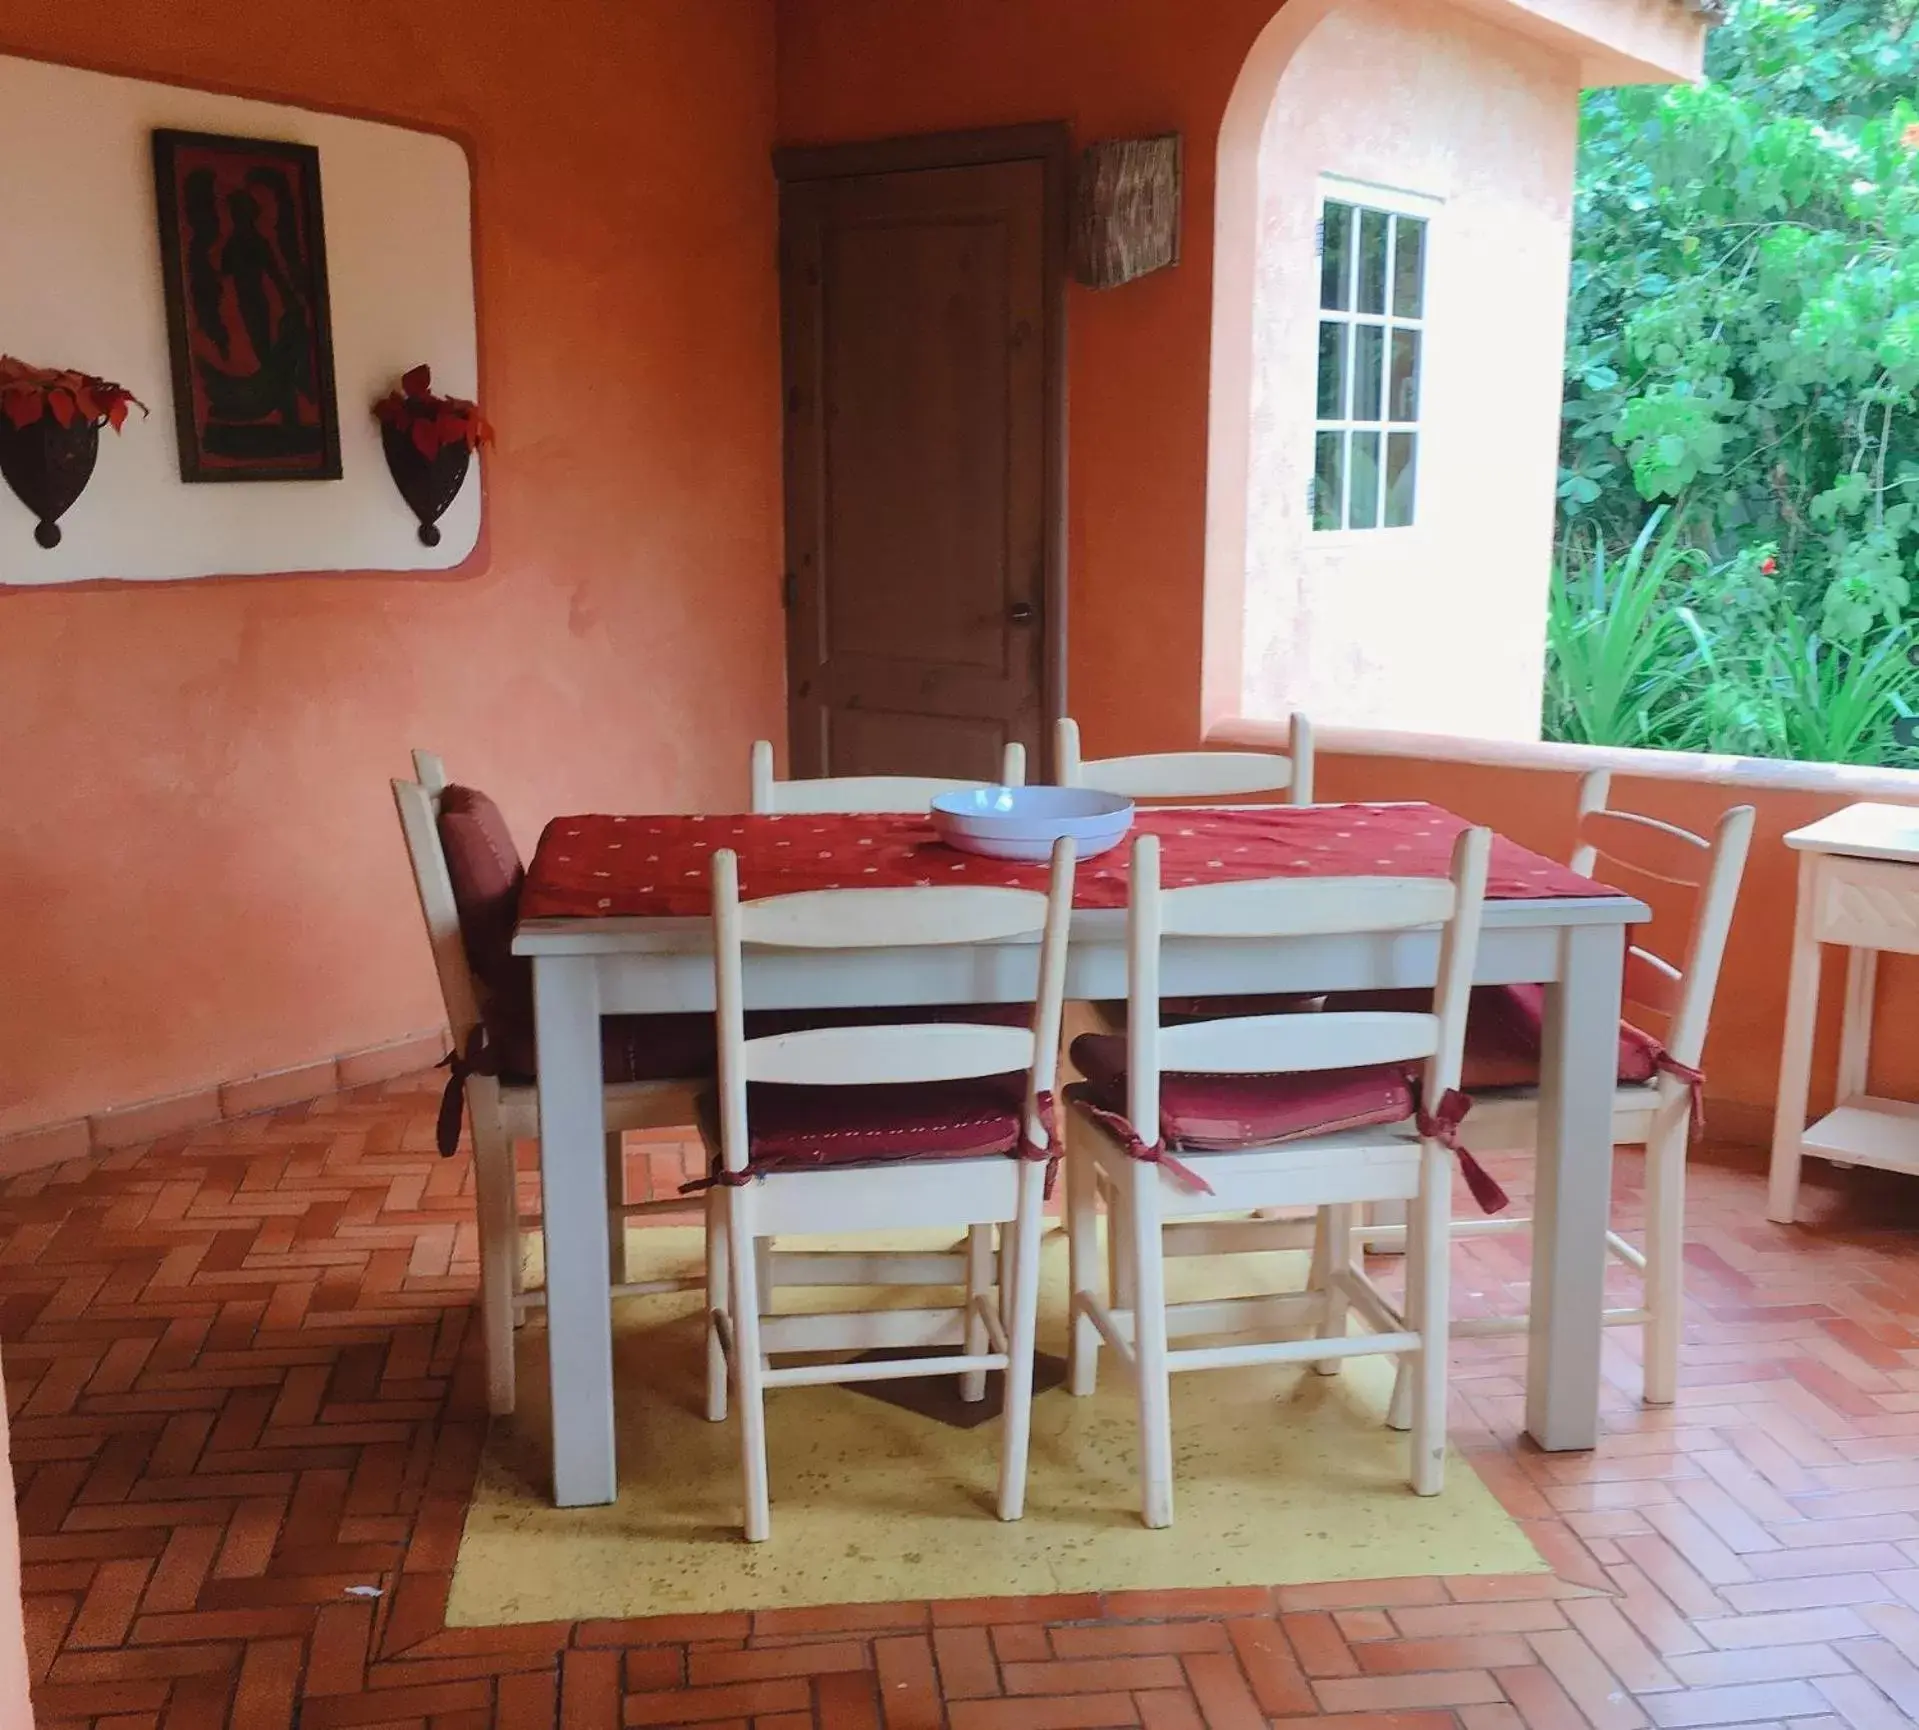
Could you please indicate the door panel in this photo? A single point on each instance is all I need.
(915, 319)
(876, 742)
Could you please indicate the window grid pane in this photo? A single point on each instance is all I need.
(1333, 335)
(1373, 228)
(1335, 285)
(1402, 470)
(1409, 268)
(1371, 341)
(1329, 481)
(1362, 482)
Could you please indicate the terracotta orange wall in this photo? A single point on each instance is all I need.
(201, 865)
(1742, 1055)
(1138, 379)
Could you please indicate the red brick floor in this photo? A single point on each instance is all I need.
(244, 1382)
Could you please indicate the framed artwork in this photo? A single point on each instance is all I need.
(243, 251)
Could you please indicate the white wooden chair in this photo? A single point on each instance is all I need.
(775, 1168)
(1192, 774)
(503, 1112)
(1646, 855)
(862, 793)
(1272, 1062)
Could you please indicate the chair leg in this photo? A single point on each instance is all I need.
(499, 1218)
(717, 1281)
(1020, 1339)
(748, 1366)
(1334, 1231)
(1119, 1248)
(979, 1283)
(519, 1234)
(1382, 1213)
(1399, 1410)
(1429, 1240)
(1152, 1378)
(1665, 1260)
(1082, 1246)
(616, 1207)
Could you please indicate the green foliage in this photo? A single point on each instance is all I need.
(1744, 343)
(1612, 640)
(1662, 649)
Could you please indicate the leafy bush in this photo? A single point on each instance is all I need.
(1662, 649)
(1744, 345)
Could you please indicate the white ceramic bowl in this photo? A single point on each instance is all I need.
(1024, 822)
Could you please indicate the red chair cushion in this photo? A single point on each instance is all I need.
(1227, 1113)
(1505, 1034)
(486, 873)
(815, 1128)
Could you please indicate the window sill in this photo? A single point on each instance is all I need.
(1758, 773)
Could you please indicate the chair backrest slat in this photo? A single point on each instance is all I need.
(891, 918)
(1649, 846)
(943, 1051)
(1301, 907)
(1271, 1044)
(874, 919)
(419, 809)
(1624, 845)
(1306, 906)
(1652, 983)
(1192, 774)
(862, 795)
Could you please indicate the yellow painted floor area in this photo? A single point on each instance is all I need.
(1283, 1476)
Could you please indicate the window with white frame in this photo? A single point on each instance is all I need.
(1372, 299)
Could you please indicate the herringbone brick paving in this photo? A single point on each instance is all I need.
(244, 1388)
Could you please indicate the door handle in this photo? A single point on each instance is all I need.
(1021, 613)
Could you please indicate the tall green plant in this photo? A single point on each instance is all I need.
(1744, 328)
(1662, 650)
(1838, 705)
(1616, 658)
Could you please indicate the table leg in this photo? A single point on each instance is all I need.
(579, 1311)
(1795, 1054)
(1855, 1026)
(1574, 1199)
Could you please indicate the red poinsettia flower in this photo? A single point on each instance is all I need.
(1768, 567)
(28, 392)
(432, 422)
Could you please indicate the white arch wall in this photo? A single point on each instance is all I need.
(81, 287)
(1438, 627)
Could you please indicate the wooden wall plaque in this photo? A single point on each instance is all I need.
(1126, 210)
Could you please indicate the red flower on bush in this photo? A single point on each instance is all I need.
(1768, 566)
(72, 398)
(432, 422)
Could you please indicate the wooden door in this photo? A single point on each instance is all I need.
(922, 347)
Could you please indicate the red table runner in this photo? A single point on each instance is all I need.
(655, 867)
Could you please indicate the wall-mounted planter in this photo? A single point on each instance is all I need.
(429, 442)
(48, 466)
(428, 484)
(50, 421)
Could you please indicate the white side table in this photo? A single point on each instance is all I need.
(1858, 886)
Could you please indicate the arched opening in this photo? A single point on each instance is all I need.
(1385, 407)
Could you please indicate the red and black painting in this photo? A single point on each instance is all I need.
(243, 247)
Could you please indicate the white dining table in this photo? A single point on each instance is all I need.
(588, 967)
